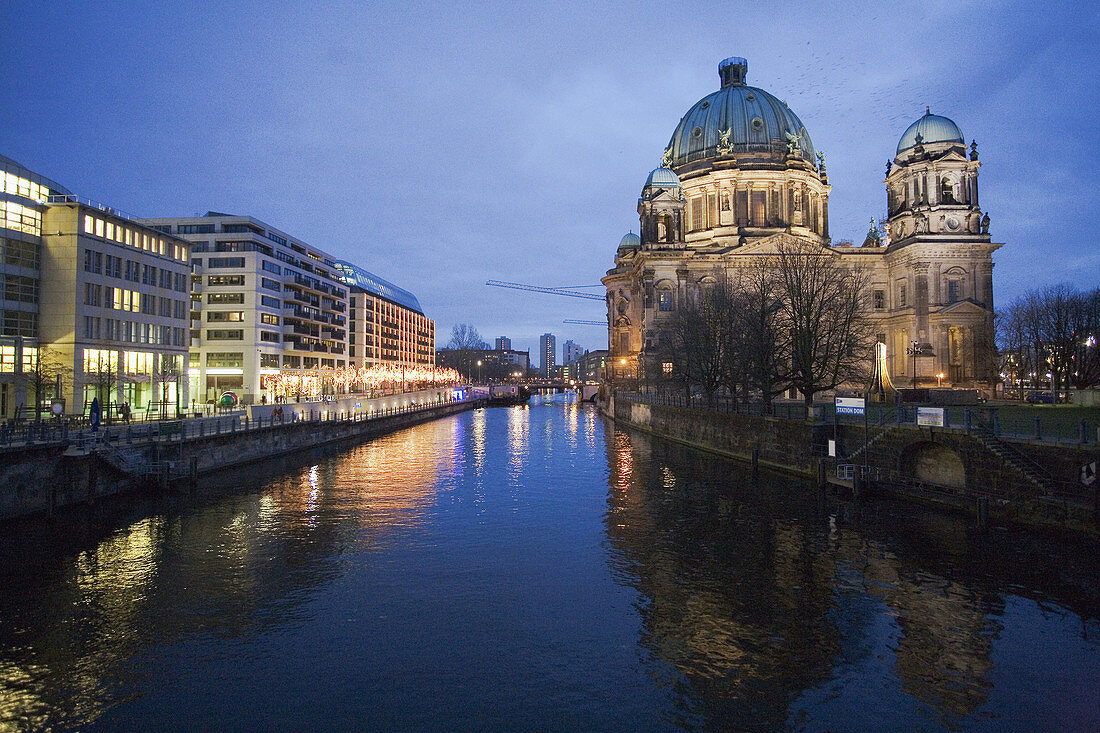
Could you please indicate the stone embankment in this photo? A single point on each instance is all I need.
(997, 478)
(40, 479)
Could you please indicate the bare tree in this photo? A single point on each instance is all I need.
(695, 343)
(465, 337)
(104, 375)
(824, 314)
(1053, 330)
(759, 353)
(42, 374)
(1056, 305)
(465, 342)
(1086, 328)
(167, 373)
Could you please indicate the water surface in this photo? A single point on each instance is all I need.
(536, 569)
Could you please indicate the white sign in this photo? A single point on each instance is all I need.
(1088, 473)
(930, 416)
(832, 448)
(850, 405)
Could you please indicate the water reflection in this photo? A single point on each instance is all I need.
(534, 568)
(779, 609)
(72, 625)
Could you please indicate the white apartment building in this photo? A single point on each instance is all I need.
(268, 311)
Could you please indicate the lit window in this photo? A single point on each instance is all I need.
(664, 301)
(666, 368)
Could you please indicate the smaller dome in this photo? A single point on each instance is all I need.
(662, 178)
(932, 129)
(630, 240)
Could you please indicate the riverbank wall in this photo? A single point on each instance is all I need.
(44, 479)
(997, 479)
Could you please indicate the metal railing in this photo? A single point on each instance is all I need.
(78, 432)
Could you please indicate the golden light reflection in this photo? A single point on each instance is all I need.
(519, 433)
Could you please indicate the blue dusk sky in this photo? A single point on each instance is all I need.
(439, 146)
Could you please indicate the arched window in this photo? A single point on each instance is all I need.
(954, 281)
(947, 190)
(664, 296)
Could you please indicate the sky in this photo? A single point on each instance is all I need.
(440, 146)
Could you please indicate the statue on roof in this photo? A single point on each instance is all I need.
(793, 141)
(724, 140)
(666, 158)
(973, 149)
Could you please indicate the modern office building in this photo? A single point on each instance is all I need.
(266, 308)
(492, 365)
(570, 352)
(387, 325)
(547, 349)
(503, 343)
(95, 303)
(591, 366)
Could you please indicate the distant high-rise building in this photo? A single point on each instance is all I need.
(547, 347)
(503, 343)
(570, 352)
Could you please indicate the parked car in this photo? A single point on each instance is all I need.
(1040, 398)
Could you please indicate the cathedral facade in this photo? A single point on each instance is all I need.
(740, 180)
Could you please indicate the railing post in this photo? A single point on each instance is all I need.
(969, 420)
(1038, 429)
(996, 423)
(1084, 431)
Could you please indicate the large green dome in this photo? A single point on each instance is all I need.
(737, 120)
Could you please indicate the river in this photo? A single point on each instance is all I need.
(536, 569)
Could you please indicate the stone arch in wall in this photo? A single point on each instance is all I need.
(954, 285)
(934, 463)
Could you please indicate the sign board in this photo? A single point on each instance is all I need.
(930, 416)
(832, 448)
(850, 405)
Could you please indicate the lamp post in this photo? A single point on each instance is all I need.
(479, 371)
(939, 377)
(914, 351)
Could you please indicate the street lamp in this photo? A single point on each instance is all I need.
(914, 351)
(938, 378)
(479, 371)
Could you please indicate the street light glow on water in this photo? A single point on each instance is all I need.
(532, 568)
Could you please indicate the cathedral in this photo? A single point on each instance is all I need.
(740, 180)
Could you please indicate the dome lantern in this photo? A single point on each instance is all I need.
(930, 129)
(732, 71)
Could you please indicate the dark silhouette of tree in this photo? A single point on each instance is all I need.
(1055, 330)
(41, 374)
(695, 342)
(466, 344)
(759, 352)
(824, 314)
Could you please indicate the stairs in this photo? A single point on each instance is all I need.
(1035, 474)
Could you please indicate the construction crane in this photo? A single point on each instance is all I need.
(569, 293)
(585, 323)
